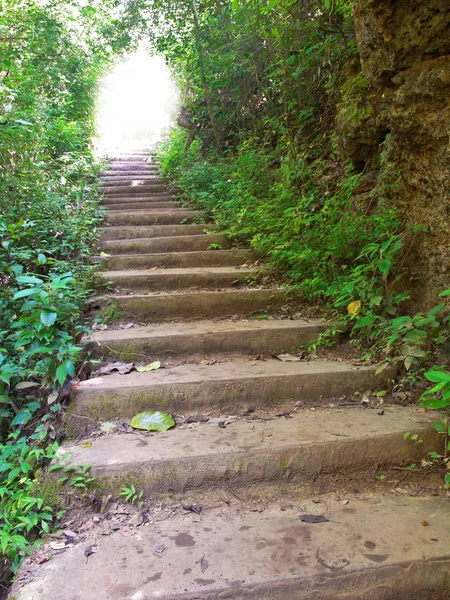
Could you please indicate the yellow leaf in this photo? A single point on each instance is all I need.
(354, 307)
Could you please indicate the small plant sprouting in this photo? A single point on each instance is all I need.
(131, 495)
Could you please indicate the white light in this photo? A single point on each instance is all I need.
(137, 101)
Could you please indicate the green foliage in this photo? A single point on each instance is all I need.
(132, 496)
(48, 219)
(440, 391)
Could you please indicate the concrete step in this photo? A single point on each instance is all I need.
(204, 339)
(166, 280)
(136, 190)
(128, 177)
(371, 549)
(133, 232)
(194, 306)
(139, 204)
(226, 387)
(300, 450)
(179, 243)
(127, 199)
(132, 158)
(205, 258)
(171, 216)
(130, 168)
(131, 182)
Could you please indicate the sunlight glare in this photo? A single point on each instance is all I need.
(137, 101)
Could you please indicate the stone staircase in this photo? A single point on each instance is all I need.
(260, 444)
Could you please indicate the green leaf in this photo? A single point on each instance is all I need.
(435, 403)
(438, 376)
(364, 322)
(152, 421)
(445, 293)
(29, 279)
(151, 367)
(21, 418)
(384, 266)
(48, 317)
(27, 292)
(61, 373)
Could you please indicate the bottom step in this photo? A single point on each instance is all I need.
(374, 548)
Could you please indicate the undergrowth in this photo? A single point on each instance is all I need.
(48, 220)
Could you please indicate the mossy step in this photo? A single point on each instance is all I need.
(180, 243)
(151, 217)
(199, 278)
(196, 305)
(228, 387)
(200, 258)
(132, 232)
(141, 203)
(204, 339)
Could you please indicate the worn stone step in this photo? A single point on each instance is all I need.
(199, 305)
(171, 216)
(136, 190)
(129, 176)
(127, 199)
(371, 549)
(225, 386)
(130, 169)
(139, 204)
(131, 182)
(139, 200)
(201, 258)
(199, 278)
(179, 243)
(132, 158)
(311, 449)
(204, 339)
(133, 232)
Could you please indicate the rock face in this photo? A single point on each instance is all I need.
(404, 48)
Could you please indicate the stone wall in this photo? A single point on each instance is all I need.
(404, 48)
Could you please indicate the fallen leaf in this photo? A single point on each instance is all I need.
(354, 307)
(104, 254)
(314, 519)
(121, 367)
(87, 445)
(221, 422)
(99, 326)
(152, 421)
(151, 367)
(127, 326)
(365, 400)
(107, 426)
(425, 523)
(203, 564)
(105, 502)
(137, 519)
(57, 545)
(90, 550)
(195, 508)
(24, 385)
(52, 398)
(287, 357)
(71, 535)
(42, 558)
